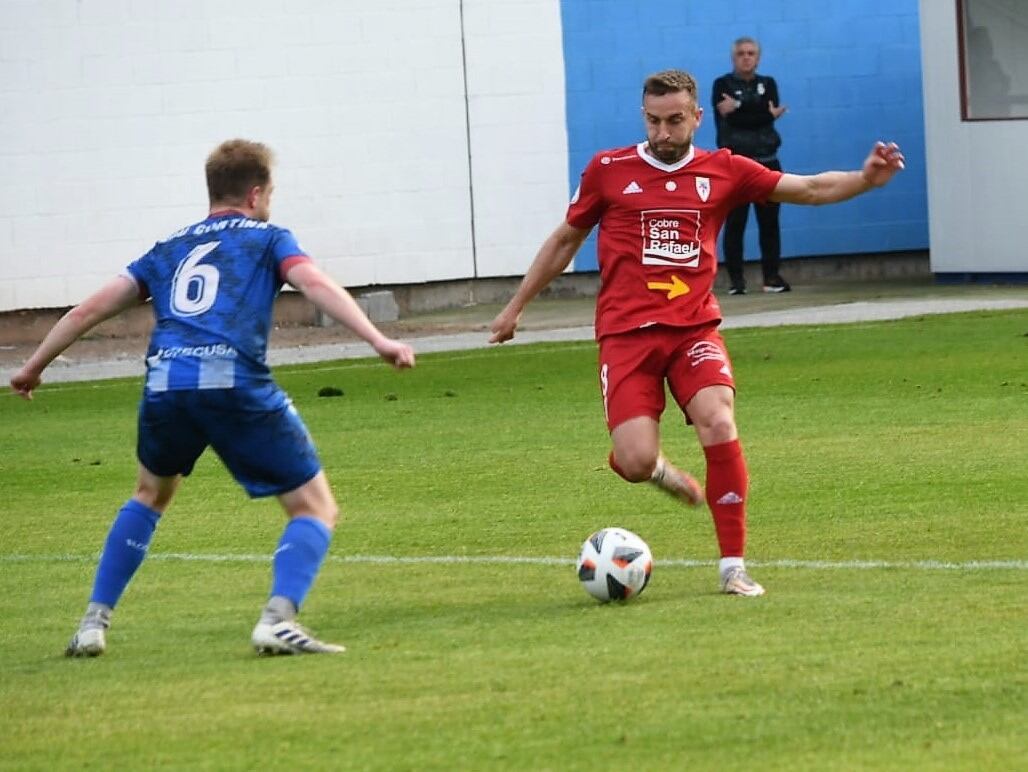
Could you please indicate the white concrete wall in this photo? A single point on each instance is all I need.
(519, 147)
(977, 170)
(109, 107)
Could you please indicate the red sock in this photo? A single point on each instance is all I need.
(727, 482)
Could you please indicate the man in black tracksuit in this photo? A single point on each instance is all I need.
(745, 109)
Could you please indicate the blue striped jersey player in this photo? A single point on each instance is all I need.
(213, 285)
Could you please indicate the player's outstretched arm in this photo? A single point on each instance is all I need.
(110, 300)
(880, 166)
(328, 297)
(550, 261)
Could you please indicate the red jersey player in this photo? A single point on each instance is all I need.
(660, 205)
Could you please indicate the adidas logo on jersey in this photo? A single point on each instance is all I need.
(730, 498)
(632, 187)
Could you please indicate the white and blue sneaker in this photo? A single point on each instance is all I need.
(289, 637)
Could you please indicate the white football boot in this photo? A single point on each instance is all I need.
(90, 642)
(681, 485)
(289, 637)
(91, 638)
(735, 581)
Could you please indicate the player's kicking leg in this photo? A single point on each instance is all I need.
(312, 511)
(637, 458)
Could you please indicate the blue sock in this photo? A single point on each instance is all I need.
(300, 551)
(126, 546)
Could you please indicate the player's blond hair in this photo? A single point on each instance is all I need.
(235, 167)
(670, 82)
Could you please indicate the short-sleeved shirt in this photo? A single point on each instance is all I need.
(213, 285)
(659, 223)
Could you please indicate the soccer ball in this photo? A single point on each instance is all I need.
(615, 564)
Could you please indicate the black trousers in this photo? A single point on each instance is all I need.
(770, 238)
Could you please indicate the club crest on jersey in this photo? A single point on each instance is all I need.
(703, 188)
(671, 237)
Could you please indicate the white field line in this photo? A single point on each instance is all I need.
(816, 565)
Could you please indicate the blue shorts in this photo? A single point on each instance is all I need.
(255, 431)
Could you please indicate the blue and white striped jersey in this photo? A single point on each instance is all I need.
(213, 286)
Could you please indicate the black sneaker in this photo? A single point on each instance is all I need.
(737, 291)
(777, 284)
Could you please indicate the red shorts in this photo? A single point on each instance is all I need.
(634, 366)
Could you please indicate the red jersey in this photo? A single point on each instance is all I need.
(658, 231)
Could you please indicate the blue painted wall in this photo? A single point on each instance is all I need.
(848, 70)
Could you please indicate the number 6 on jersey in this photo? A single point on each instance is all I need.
(195, 286)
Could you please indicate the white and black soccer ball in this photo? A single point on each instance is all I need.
(615, 564)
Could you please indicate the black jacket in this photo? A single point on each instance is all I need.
(750, 130)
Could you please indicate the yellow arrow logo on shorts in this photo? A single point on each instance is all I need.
(674, 288)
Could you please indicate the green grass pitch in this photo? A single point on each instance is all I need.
(890, 459)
